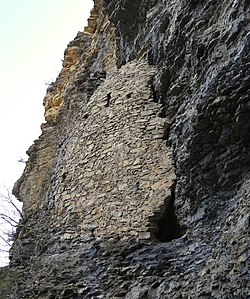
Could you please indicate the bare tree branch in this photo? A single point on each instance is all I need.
(5, 241)
(10, 220)
(10, 215)
(9, 199)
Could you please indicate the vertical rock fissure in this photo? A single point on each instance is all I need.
(168, 225)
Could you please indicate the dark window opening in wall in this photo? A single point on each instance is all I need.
(108, 100)
(168, 225)
(64, 176)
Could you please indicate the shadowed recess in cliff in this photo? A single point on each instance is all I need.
(168, 227)
(128, 14)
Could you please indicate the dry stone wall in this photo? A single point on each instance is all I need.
(112, 172)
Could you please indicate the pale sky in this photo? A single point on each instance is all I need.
(33, 37)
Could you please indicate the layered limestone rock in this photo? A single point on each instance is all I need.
(138, 186)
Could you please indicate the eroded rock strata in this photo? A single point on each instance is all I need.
(138, 186)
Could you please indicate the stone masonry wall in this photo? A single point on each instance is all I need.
(112, 174)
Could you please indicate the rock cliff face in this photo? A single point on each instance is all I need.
(139, 185)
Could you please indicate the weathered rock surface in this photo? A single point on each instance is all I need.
(139, 185)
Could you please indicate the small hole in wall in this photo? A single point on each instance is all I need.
(162, 114)
(108, 100)
(168, 225)
(166, 132)
(129, 95)
(64, 175)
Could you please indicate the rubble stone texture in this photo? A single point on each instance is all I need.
(138, 186)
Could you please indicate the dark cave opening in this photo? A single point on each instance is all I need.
(168, 225)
